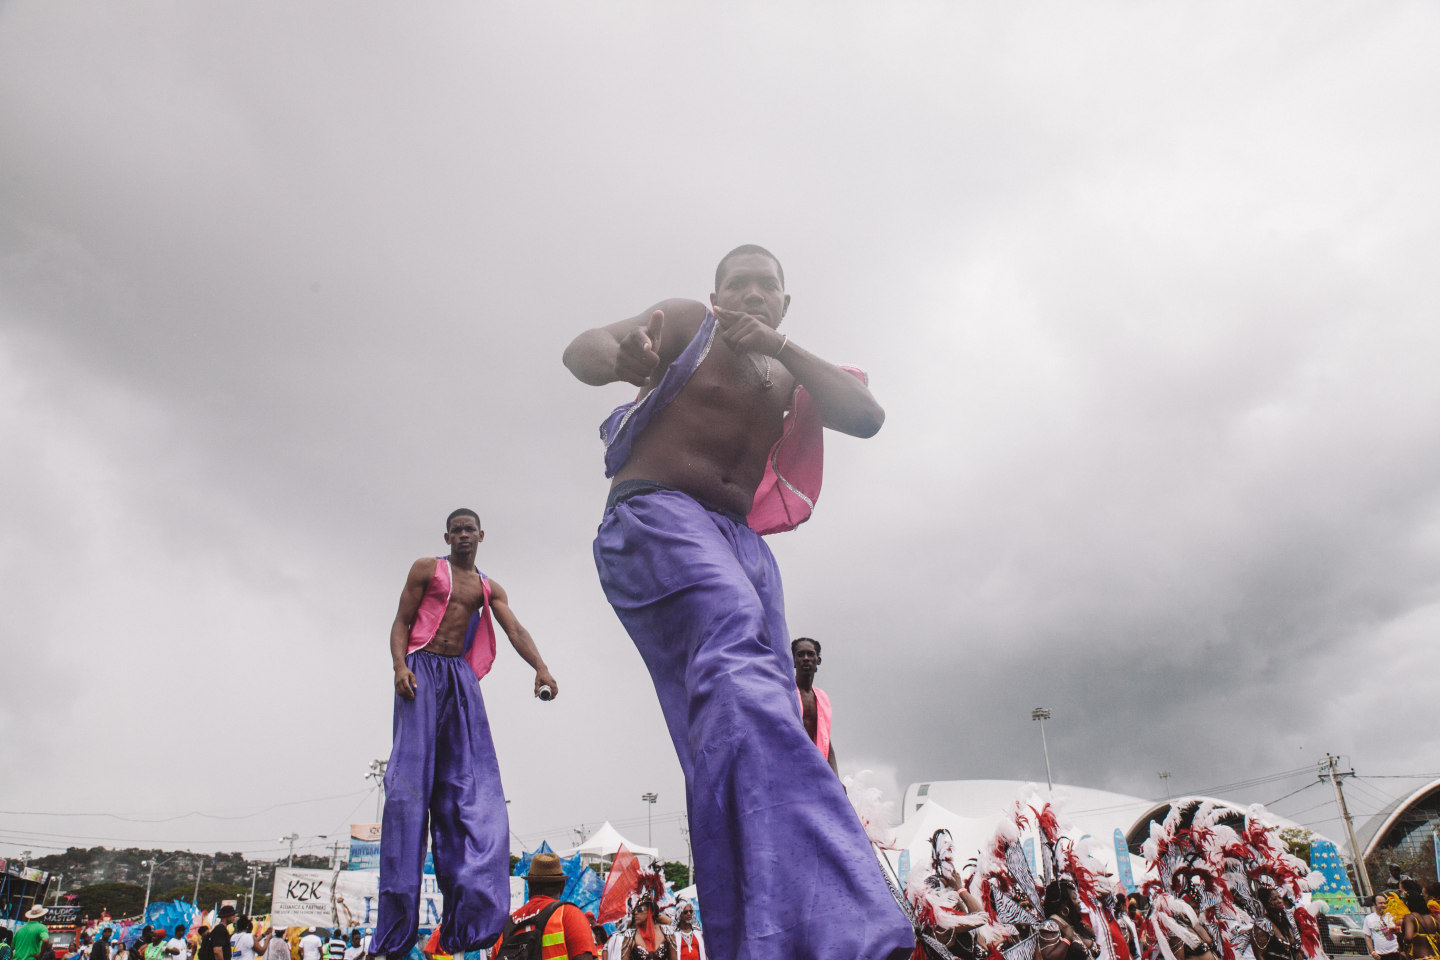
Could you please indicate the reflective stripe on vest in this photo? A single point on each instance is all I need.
(552, 944)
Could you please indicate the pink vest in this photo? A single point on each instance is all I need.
(822, 719)
(791, 484)
(479, 637)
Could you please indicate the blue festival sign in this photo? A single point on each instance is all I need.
(1123, 873)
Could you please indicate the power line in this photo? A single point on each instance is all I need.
(1372, 792)
(1207, 791)
(135, 840)
(1299, 813)
(1312, 783)
(182, 816)
(1402, 776)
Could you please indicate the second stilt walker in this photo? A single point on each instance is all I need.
(443, 781)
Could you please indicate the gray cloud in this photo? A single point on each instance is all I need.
(1147, 296)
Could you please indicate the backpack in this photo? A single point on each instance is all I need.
(522, 941)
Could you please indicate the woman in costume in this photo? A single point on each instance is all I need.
(689, 943)
(946, 914)
(1062, 907)
(647, 939)
(1277, 937)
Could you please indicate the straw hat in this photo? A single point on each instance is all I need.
(546, 866)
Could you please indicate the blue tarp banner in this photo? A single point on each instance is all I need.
(168, 914)
(583, 885)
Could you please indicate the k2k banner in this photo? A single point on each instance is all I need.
(347, 898)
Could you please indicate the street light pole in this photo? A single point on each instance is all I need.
(148, 880)
(377, 773)
(199, 869)
(1042, 714)
(290, 840)
(650, 799)
(254, 871)
(689, 854)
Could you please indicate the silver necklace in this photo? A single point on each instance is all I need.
(764, 371)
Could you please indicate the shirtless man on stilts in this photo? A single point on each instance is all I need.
(442, 773)
(722, 447)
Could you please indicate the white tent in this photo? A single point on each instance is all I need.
(605, 842)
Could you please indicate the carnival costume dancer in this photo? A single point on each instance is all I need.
(1064, 916)
(946, 915)
(722, 446)
(1226, 893)
(442, 773)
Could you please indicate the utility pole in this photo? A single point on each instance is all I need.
(199, 869)
(1042, 714)
(148, 880)
(59, 878)
(1329, 769)
(1165, 783)
(335, 855)
(650, 799)
(290, 840)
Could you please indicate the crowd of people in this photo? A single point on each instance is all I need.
(655, 925)
(1404, 921)
(230, 937)
(1215, 892)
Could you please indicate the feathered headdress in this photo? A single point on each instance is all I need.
(1189, 893)
(1065, 862)
(1005, 885)
(649, 891)
(1257, 860)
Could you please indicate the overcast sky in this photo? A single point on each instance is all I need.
(1148, 291)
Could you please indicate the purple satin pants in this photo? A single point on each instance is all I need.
(784, 868)
(443, 780)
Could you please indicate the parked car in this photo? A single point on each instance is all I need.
(1341, 933)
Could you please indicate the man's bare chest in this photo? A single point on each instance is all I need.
(807, 707)
(751, 386)
(467, 592)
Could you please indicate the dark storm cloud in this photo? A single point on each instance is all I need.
(1146, 295)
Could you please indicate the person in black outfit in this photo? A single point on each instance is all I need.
(216, 945)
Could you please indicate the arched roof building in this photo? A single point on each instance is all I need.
(1405, 823)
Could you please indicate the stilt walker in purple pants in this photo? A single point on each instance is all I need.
(442, 782)
(722, 446)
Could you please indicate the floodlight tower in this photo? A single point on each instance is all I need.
(650, 799)
(1042, 714)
